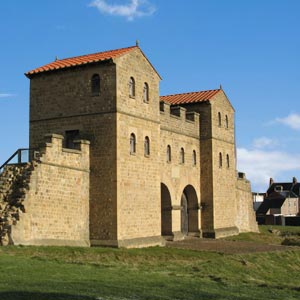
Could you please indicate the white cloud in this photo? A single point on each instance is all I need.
(292, 121)
(131, 10)
(264, 142)
(260, 166)
(3, 95)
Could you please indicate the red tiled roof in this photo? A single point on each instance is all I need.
(80, 60)
(193, 97)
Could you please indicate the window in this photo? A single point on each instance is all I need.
(226, 121)
(227, 161)
(131, 87)
(220, 160)
(71, 135)
(146, 92)
(147, 146)
(182, 156)
(220, 119)
(194, 158)
(95, 85)
(132, 144)
(169, 153)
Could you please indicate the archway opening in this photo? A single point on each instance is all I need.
(166, 211)
(189, 211)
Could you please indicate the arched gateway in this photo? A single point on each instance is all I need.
(166, 211)
(189, 211)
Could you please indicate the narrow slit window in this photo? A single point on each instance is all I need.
(146, 92)
(95, 85)
(219, 119)
(169, 153)
(132, 144)
(147, 146)
(227, 161)
(194, 158)
(220, 160)
(132, 87)
(226, 122)
(182, 156)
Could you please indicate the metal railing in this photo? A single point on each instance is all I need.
(21, 156)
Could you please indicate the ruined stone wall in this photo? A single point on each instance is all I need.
(179, 130)
(56, 205)
(138, 175)
(245, 217)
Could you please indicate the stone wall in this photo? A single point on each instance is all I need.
(245, 217)
(56, 204)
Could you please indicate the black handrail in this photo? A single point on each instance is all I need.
(18, 153)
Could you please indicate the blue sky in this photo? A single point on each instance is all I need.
(251, 47)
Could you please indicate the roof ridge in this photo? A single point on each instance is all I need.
(90, 54)
(187, 93)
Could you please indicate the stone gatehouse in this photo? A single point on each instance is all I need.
(157, 167)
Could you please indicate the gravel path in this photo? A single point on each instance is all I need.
(229, 247)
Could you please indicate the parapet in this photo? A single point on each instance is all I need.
(178, 118)
(53, 152)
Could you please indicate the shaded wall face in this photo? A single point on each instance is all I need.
(62, 102)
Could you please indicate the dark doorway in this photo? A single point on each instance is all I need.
(71, 135)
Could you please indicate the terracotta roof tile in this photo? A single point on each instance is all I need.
(193, 97)
(80, 60)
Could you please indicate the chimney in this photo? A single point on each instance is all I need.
(271, 181)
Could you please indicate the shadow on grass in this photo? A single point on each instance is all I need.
(21, 295)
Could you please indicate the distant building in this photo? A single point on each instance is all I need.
(281, 204)
(258, 199)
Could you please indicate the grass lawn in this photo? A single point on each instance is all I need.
(153, 273)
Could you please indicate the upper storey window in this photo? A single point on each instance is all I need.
(95, 85)
(169, 153)
(194, 158)
(132, 144)
(146, 92)
(220, 160)
(182, 156)
(226, 122)
(132, 87)
(219, 119)
(147, 146)
(227, 161)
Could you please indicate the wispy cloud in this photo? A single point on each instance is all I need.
(264, 142)
(261, 165)
(131, 10)
(6, 95)
(292, 121)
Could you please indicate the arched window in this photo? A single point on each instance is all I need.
(147, 146)
(227, 161)
(219, 119)
(131, 87)
(182, 156)
(146, 92)
(95, 85)
(132, 144)
(226, 121)
(194, 158)
(169, 156)
(220, 160)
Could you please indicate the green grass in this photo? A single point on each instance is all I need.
(45, 273)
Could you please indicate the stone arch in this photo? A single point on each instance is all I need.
(189, 211)
(166, 211)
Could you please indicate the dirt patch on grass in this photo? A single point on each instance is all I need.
(228, 247)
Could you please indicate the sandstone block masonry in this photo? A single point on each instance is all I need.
(158, 167)
(47, 200)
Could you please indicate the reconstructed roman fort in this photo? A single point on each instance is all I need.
(114, 163)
